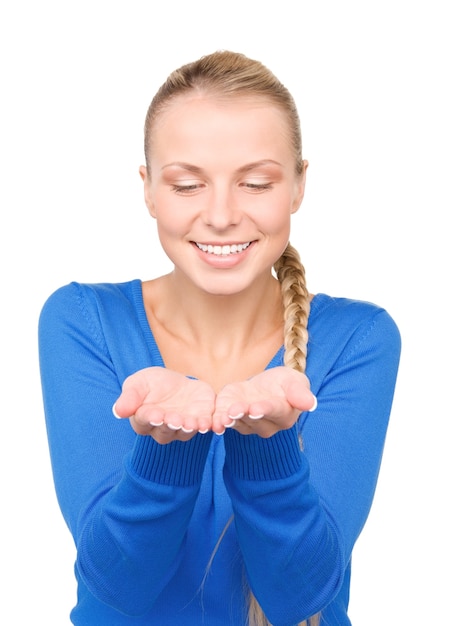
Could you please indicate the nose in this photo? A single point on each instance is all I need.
(221, 210)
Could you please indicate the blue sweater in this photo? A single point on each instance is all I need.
(146, 518)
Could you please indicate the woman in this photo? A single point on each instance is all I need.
(221, 494)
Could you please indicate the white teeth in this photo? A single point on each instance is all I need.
(235, 248)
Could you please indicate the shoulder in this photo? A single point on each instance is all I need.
(88, 309)
(341, 327)
(93, 320)
(325, 304)
(77, 296)
(346, 315)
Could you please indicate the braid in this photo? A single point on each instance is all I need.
(257, 617)
(291, 274)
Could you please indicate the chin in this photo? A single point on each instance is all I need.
(227, 287)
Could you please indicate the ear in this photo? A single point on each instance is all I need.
(298, 198)
(143, 173)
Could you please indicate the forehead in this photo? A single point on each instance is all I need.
(196, 120)
(187, 103)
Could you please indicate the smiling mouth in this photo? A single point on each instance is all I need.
(235, 248)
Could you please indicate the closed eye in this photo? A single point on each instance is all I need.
(186, 189)
(256, 187)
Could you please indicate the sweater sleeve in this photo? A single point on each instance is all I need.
(299, 508)
(111, 483)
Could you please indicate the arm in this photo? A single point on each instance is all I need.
(298, 513)
(111, 484)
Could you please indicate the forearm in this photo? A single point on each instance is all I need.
(292, 555)
(133, 539)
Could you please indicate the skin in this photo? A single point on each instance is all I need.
(219, 174)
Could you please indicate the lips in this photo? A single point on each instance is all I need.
(234, 248)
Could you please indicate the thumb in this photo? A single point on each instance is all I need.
(127, 403)
(300, 397)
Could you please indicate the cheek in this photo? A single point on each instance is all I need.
(275, 217)
(169, 217)
(173, 223)
(168, 226)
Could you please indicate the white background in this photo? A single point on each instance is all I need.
(370, 80)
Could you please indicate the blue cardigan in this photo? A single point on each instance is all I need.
(146, 518)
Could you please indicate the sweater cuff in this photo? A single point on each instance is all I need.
(251, 457)
(178, 463)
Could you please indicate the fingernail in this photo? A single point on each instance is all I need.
(222, 433)
(203, 432)
(236, 417)
(256, 417)
(114, 412)
(172, 427)
(156, 423)
(314, 406)
(187, 430)
(231, 424)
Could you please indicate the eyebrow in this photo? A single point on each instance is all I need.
(241, 170)
(183, 166)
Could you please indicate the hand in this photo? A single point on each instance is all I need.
(166, 405)
(264, 404)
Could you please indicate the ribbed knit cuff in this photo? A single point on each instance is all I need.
(250, 457)
(179, 463)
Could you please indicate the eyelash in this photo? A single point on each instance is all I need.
(258, 186)
(186, 189)
(189, 189)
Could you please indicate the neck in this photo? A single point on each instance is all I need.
(222, 322)
(218, 339)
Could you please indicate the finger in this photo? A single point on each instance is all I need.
(264, 408)
(163, 434)
(227, 417)
(149, 415)
(191, 422)
(155, 416)
(173, 420)
(277, 412)
(127, 403)
(237, 410)
(184, 423)
(263, 428)
(300, 396)
(217, 422)
(301, 399)
(243, 428)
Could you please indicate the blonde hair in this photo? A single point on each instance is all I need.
(225, 74)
